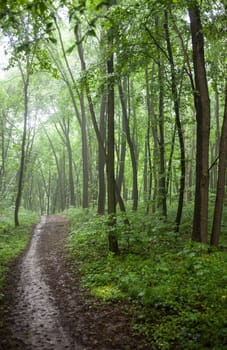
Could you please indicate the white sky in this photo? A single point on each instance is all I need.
(3, 57)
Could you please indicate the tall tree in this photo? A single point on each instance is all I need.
(25, 75)
(202, 107)
(176, 101)
(220, 191)
(65, 128)
(113, 243)
(131, 146)
(81, 117)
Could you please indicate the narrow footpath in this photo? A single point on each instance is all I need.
(46, 309)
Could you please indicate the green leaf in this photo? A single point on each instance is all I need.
(91, 32)
(71, 48)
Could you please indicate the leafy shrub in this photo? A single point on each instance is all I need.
(176, 289)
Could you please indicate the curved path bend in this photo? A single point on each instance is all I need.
(36, 322)
(46, 308)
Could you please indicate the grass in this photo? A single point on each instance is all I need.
(176, 289)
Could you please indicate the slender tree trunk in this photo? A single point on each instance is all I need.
(176, 99)
(134, 138)
(154, 131)
(148, 160)
(122, 141)
(65, 127)
(170, 161)
(162, 174)
(85, 201)
(217, 135)
(83, 127)
(92, 112)
(102, 159)
(25, 77)
(82, 119)
(202, 106)
(71, 181)
(216, 228)
(59, 191)
(113, 243)
(131, 148)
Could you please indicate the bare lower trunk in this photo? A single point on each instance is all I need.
(131, 148)
(176, 99)
(102, 160)
(202, 106)
(113, 243)
(216, 228)
(25, 78)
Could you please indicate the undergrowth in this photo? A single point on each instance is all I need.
(176, 289)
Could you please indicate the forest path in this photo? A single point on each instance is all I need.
(35, 318)
(46, 309)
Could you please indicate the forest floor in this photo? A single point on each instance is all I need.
(46, 307)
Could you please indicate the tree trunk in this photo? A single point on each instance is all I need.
(176, 99)
(216, 228)
(113, 243)
(25, 77)
(122, 142)
(202, 106)
(162, 175)
(81, 120)
(71, 181)
(131, 148)
(65, 127)
(102, 159)
(148, 172)
(217, 135)
(85, 201)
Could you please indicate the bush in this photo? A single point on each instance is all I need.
(176, 289)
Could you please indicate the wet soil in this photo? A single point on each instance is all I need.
(47, 309)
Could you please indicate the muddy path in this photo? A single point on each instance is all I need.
(46, 308)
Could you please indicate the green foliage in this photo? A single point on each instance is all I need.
(176, 289)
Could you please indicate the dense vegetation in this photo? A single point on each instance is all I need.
(174, 289)
(119, 108)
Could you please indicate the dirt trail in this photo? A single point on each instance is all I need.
(36, 323)
(46, 309)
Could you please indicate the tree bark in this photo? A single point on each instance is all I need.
(122, 151)
(131, 148)
(81, 119)
(162, 175)
(202, 106)
(113, 243)
(220, 191)
(25, 77)
(85, 200)
(59, 189)
(102, 159)
(147, 161)
(65, 126)
(176, 100)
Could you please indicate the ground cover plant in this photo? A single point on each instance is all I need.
(176, 289)
(13, 240)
